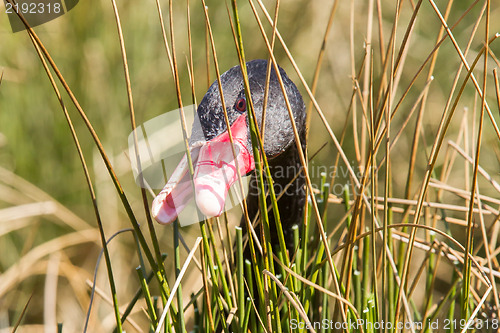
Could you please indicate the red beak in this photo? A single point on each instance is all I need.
(215, 170)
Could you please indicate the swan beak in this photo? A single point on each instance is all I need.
(215, 170)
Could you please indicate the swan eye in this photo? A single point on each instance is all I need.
(241, 105)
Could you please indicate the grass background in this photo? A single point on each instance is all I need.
(43, 195)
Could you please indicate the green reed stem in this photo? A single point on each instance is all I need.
(138, 294)
(358, 290)
(247, 316)
(250, 283)
(147, 296)
(324, 299)
(366, 269)
(178, 267)
(453, 294)
(225, 287)
(240, 278)
(213, 274)
(450, 296)
(298, 257)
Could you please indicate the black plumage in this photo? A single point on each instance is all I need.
(215, 168)
(279, 145)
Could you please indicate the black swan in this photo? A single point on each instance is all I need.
(213, 162)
